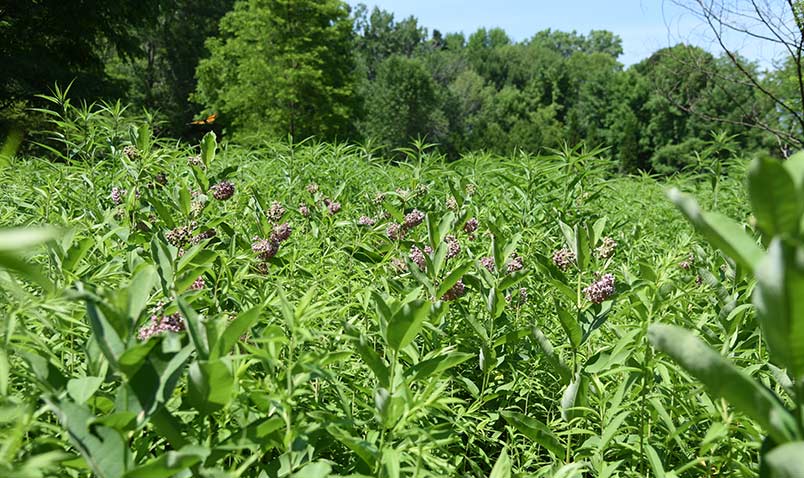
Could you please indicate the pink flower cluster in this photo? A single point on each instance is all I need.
(304, 210)
(455, 292)
(563, 258)
(413, 219)
(417, 256)
(471, 225)
(601, 289)
(158, 325)
(275, 212)
(394, 231)
(453, 246)
(488, 263)
(223, 190)
(332, 207)
(117, 195)
(365, 221)
(312, 188)
(606, 249)
(687, 263)
(515, 263)
(198, 284)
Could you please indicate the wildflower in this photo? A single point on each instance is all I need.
(470, 226)
(304, 210)
(488, 263)
(563, 258)
(455, 292)
(422, 189)
(332, 206)
(195, 161)
(428, 250)
(523, 295)
(275, 212)
(161, 179)
(453, 247)
(515, 264)
(117, 195)
(208, 234)
(417, 256)
(607, 248)
(265, 248)
(399, 265)
(687, 263)
(403, 194)
(601, 289)
(365, 221)
(178, 236)
(470, 189)
(378, 198)
(452, 203)
(169, 323)
(312, 188)
(413, 219)
(280, 233)
(698, 280)
(394, 231)
(223, 190)
(198, 284)
(131, 152)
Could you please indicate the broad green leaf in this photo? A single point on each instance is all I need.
(723, 379)
(13, 240)
(570, 325)
(234, 331)
(406, 323)
(198, 333)
(536, 431)
(720, 231)
(774, 199)
(139, 290)
(209, 144)
(438, 364)
(210, 385)
(502, 468)
(318, 469)
(170, 463)
(784, 461)
(779, 299)
(81, 389)
(452, 278)
(550, 354)
(654, 461)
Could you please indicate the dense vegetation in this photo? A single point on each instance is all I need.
(308, 310)
(273, 68)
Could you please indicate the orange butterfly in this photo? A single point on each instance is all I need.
(208, 120)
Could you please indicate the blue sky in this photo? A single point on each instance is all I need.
(644, 25)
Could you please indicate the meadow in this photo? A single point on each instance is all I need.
(309, 310)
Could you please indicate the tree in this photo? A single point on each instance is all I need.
(402, 104)
(773, 23)
(281, 67)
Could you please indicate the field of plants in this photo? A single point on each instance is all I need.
(310, 310)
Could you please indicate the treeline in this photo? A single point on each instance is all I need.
(273, 68)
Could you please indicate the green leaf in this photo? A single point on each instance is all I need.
(720, 231)
(139, 291)
(723, 379)
(318, 469)
(574, 396)
(536, 431)
(550, 354)
(779, 300)
(654, 461)
(406, 323)
(785, 461)
(570, 325)
(198, 334)
(234, 331)
(209, 144)
(452, 279)
(774, 199)
(502, 468)
(163, 256)
(210, 385)
(170, 463)
(438, 364)
(81, 389)
(20, 239)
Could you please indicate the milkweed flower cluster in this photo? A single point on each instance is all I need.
(453, 246)
(208, 234)
(399, 265)
(488, 263)
(275, 212)
(688, 262)
(178, 236)
(223, 190)
(332, 206)
(198, 284)
(563, 258)
(365, 221)
(471, 225)
(394, 231)
(131, 152)
(195, 161)
(117, 195)
(515, 264)
(422, 189)
(452, 203)
(312, 188)
(470, 189)
(606, 249)
(304, 210)
(413, 219)
(522, 297)
(160, 324)
(417, 256)
(601, 289)
(264, 248)
(281, 232)
(455, 292)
